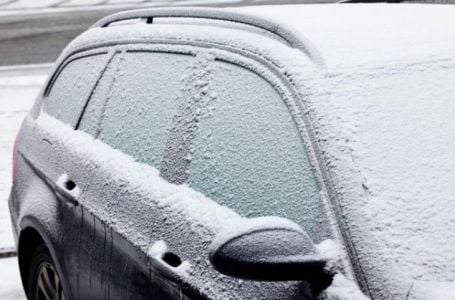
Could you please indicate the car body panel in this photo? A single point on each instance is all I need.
(110, 216)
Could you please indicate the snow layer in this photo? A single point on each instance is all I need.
(10, 280)
(383, 119)
(128, 193)
(432, 290)
(343, 289)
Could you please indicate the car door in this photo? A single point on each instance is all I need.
(56, 207)
(145, 232)
(104, 265)
(143, 130)
(243, 149)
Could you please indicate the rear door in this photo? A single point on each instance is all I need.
(95, 208)
(56, 206)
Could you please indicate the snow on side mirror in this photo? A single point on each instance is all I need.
(268, 248)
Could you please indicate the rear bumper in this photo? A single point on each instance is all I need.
(13, 215)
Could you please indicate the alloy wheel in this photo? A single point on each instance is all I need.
(48, 285)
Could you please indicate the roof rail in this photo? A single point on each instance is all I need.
(216, 14)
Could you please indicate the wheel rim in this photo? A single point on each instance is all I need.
(48, 285)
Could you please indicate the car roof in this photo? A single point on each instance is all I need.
(371, 34)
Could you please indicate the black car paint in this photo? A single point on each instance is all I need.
(107, 266)
(113, 269)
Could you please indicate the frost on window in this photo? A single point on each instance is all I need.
(249, 155)
(73, 86)
(91, 119)
(132, 107)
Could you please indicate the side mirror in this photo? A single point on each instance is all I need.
(268, 248)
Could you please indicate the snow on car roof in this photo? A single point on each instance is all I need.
(368, 34)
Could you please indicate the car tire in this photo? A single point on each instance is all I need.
(43, 279)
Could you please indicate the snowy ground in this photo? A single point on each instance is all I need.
(34, 4)
(18, 88)
(10, 282)
(9, 5)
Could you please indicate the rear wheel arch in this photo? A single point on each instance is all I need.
(30, 238)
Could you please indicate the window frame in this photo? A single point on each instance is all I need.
(253, 62)
(103, 51)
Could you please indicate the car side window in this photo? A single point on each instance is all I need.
(248, 153)
(132, 107)
(72, 87)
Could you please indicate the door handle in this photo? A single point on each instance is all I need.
(168, 264)
(66, 189)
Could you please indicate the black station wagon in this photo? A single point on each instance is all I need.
(264, 152)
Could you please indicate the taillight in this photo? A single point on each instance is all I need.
(14, 158)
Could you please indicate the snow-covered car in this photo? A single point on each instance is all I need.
(267, 152)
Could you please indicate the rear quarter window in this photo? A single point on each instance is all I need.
(72, 87)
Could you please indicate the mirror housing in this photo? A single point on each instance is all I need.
(269, 249)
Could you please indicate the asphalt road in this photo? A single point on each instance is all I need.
(39, 37)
